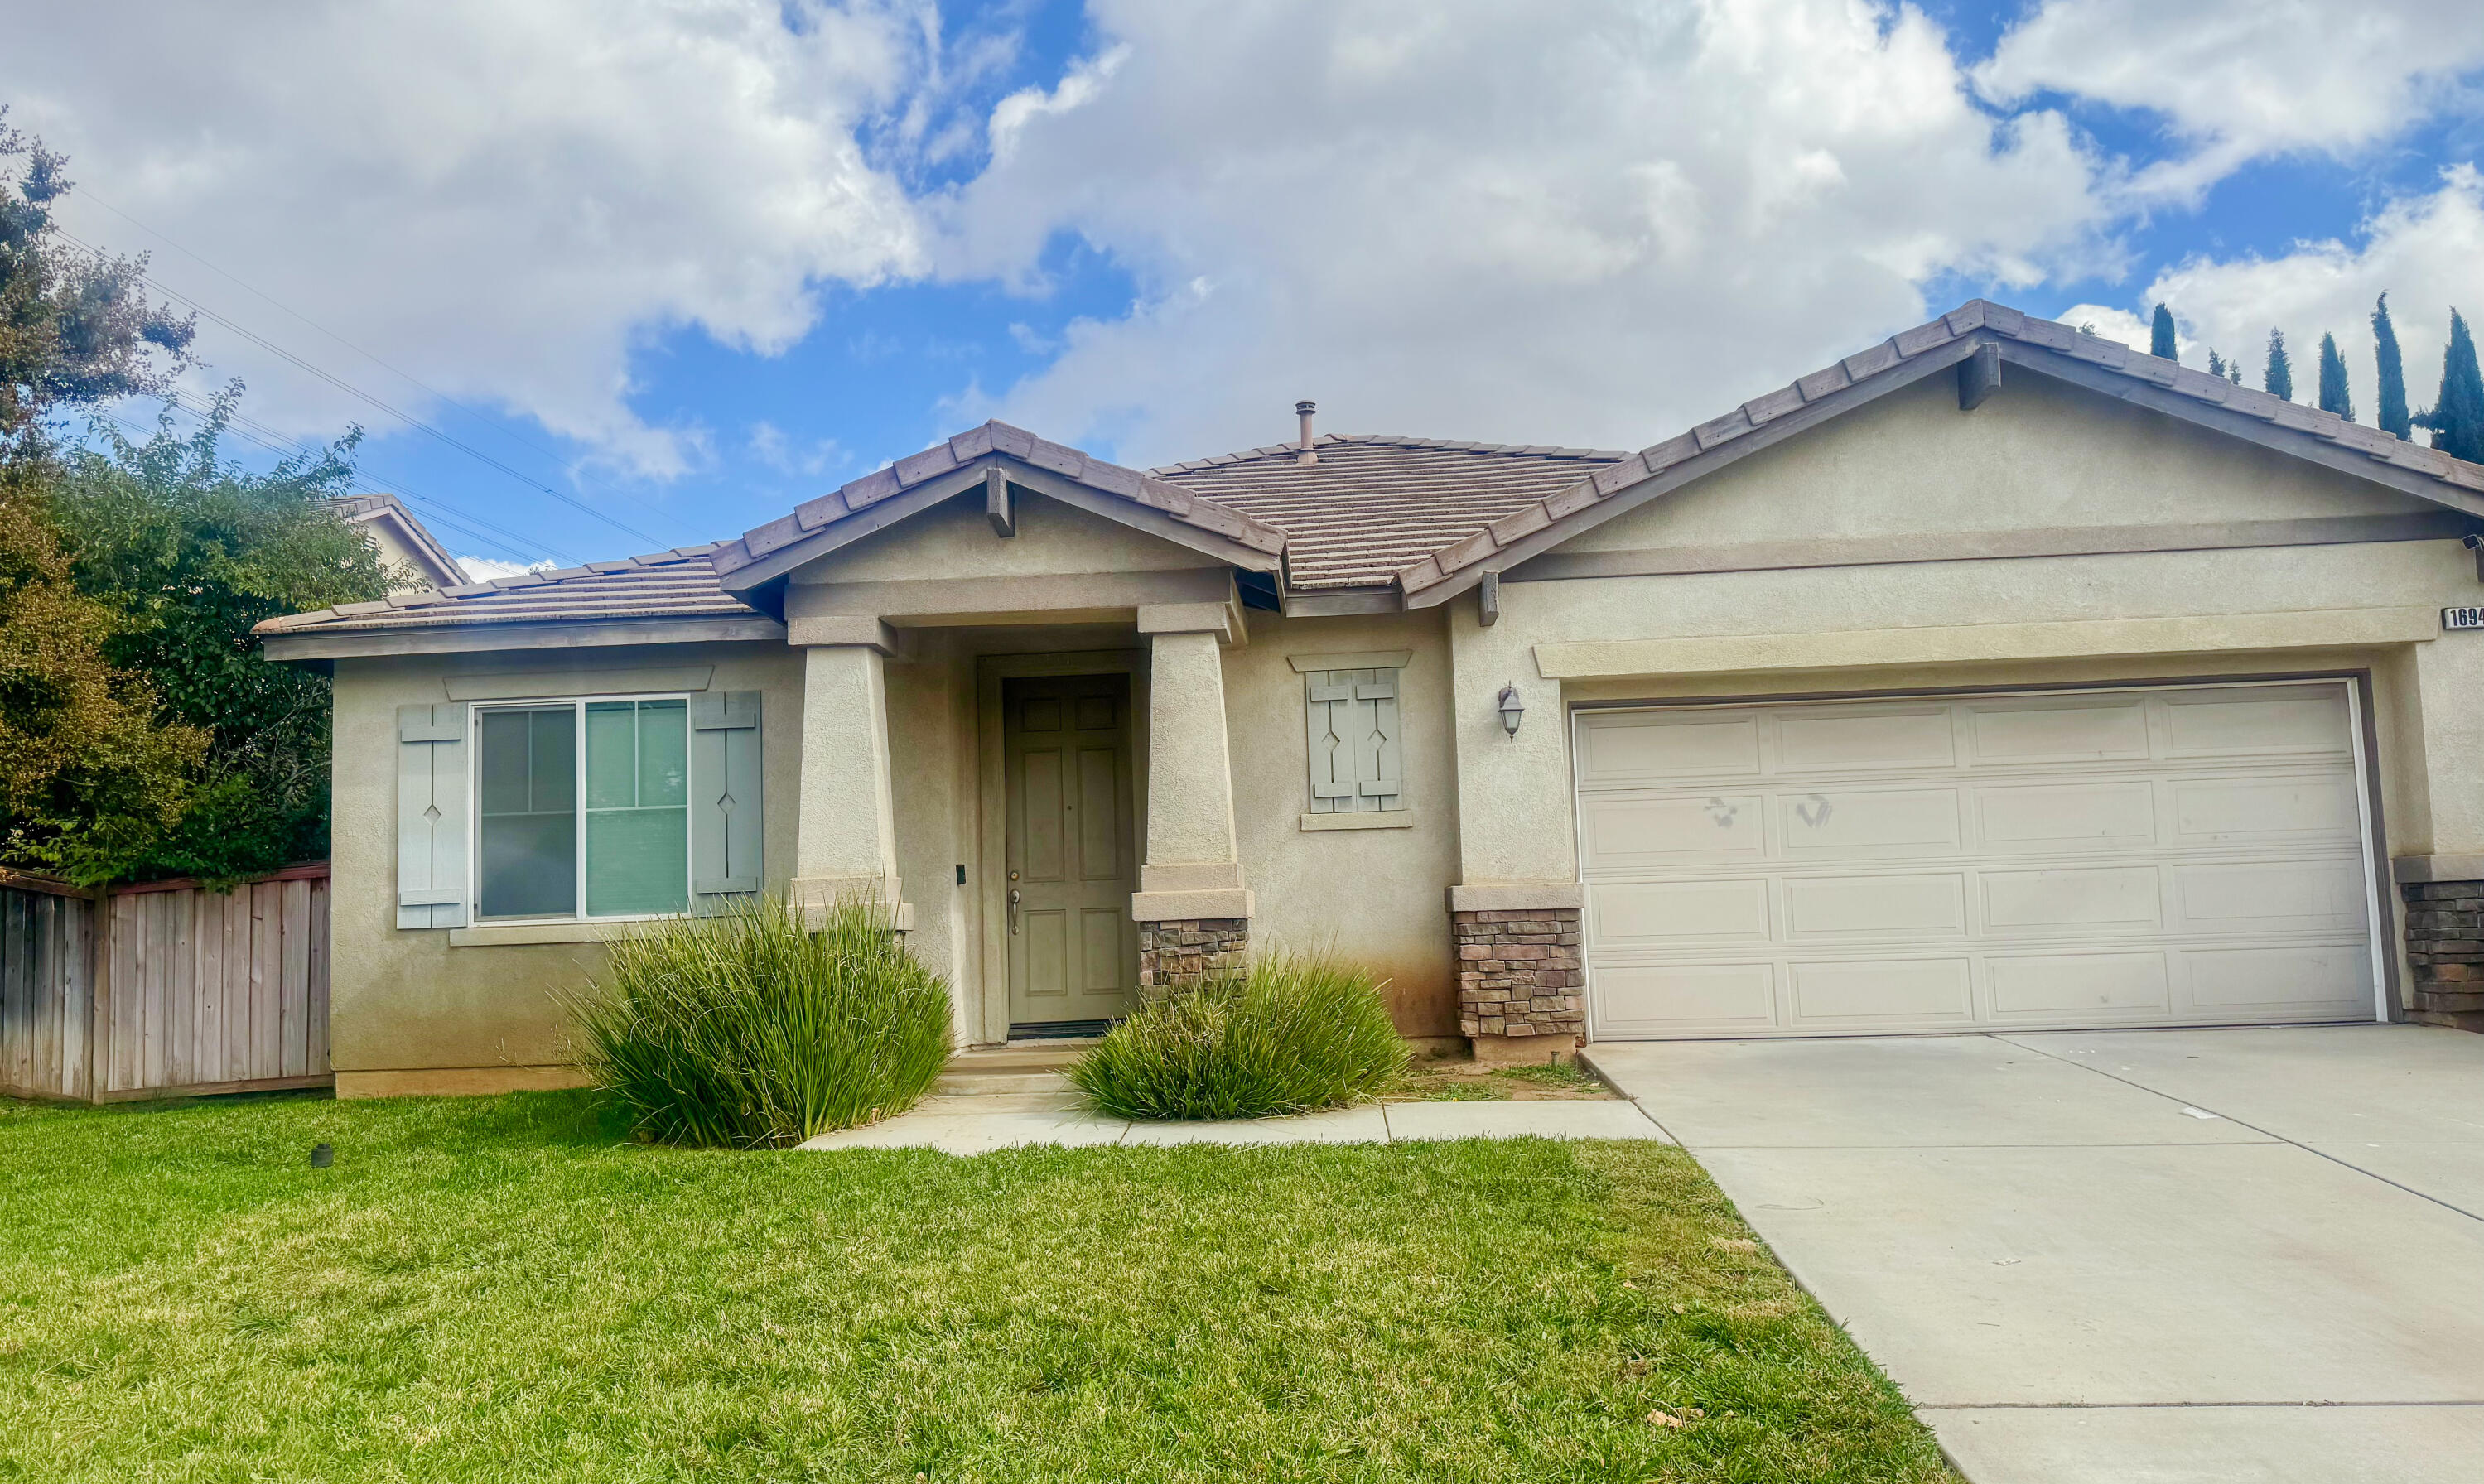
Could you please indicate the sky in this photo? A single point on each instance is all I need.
(604, 277)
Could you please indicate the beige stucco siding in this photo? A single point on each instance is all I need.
(405, 1000)
(1373, 895)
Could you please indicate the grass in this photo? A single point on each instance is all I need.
(1290, 1033)
(1457, 1083)
(508, 1289)
(758, 1028)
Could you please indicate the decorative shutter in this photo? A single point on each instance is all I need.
(1352, 721)
(431, 816)
(726, 816)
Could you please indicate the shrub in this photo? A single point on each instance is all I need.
(1291, 1034)
(748, 1029)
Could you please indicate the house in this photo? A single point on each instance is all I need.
(400, 539)
(1996, 675)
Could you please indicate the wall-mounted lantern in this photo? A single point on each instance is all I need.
(1512, 711)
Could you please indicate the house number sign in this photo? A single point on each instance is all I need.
(2462, 618)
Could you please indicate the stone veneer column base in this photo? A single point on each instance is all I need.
(1520, 984)
(1181, 955)
(2444, 939)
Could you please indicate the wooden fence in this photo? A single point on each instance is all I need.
(183, 990)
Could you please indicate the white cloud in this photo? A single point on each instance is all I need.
(502, 200)
(769, 444)
(2109, 323)
(2423, 251)
(483, 569)
(1581, 221)
(2238, 79)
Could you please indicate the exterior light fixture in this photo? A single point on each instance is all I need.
(1512, 710)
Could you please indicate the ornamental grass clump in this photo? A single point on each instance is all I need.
(1291, 1034)
(752, 1029)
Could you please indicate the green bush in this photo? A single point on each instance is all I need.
(748, 1029)
(1291, 1034)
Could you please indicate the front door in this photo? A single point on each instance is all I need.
(1072, 856)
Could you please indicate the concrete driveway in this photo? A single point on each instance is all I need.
(2136, 1256)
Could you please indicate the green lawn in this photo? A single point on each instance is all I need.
(504, 1289)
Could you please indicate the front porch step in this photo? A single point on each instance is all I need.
(1007, 1071)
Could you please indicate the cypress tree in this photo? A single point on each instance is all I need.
(2216, 362)
(2160, 337)
(2334, 396)
(2278, 379)
(2457, 418)
(2393, 403)
(2234, 372)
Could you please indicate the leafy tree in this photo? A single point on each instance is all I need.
(2216, 362)
(2334, 397)
(90, 777)
(2161, 340)
(2392, 365)
(2278, 377)
(192, 551)
(2234, 372)
(2457, 416)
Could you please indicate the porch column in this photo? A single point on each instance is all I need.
(2442, 887)
(1193, 911)
(845, 842)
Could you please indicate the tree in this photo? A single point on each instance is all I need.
(2334, 397)
(2457, 416)
(2161, 343)
(192, 551)
(2216, 362)
(2393, 411)
(89, 774)
(2278, 377)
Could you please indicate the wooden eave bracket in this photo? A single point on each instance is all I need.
(998, 506)
(1488, 596)
(1978, 376)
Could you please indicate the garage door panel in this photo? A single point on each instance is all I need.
(1874, 904)
(2225, 811)
(1661, 998)
(2334, 976)
(2058, 731)
(1847, 739)
(1640, 914)
(1884, 992)
(2133, 857)
(2118, 814)
(2258, 722)
(2080, 985)
(1621, 834)
(2074, 899)
(1876, 822)
(1668, 748)
(2323, 896)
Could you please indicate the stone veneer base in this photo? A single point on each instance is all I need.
(1180, 953)
(2444, 939)
(1520, 977)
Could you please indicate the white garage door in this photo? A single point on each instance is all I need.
(2189, 856)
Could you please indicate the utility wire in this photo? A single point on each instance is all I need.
(399, 414)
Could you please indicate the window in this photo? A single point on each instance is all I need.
(1352, 716)
(582, 808)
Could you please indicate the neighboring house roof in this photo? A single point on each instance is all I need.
(1420, 517)
(1372, 505)
(400, 537)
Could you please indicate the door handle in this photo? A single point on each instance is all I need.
(1012, 911)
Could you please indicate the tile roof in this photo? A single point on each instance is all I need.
(1880, 363)
(670, 584)
(1372, 505)
(1420, 514)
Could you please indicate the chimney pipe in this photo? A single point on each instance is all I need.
(1310, 453)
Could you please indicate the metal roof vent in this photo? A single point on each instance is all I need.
(1310, 453)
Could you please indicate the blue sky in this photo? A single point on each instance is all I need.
(1145, 225)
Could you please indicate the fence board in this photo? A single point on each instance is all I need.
(163, 987)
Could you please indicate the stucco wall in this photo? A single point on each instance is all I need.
(407, 1000)
(956, 539)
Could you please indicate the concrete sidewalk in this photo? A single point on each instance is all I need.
(978, 1123)
(2245, 1256)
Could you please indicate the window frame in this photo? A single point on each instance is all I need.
(578, 704)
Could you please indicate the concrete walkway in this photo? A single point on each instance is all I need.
(2247, 1257)
(978, 1123)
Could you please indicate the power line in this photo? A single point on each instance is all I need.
(341, 385)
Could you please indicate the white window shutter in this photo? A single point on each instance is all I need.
(1379, 766)
(431, 887)
(727, 816)
(1329, 711)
